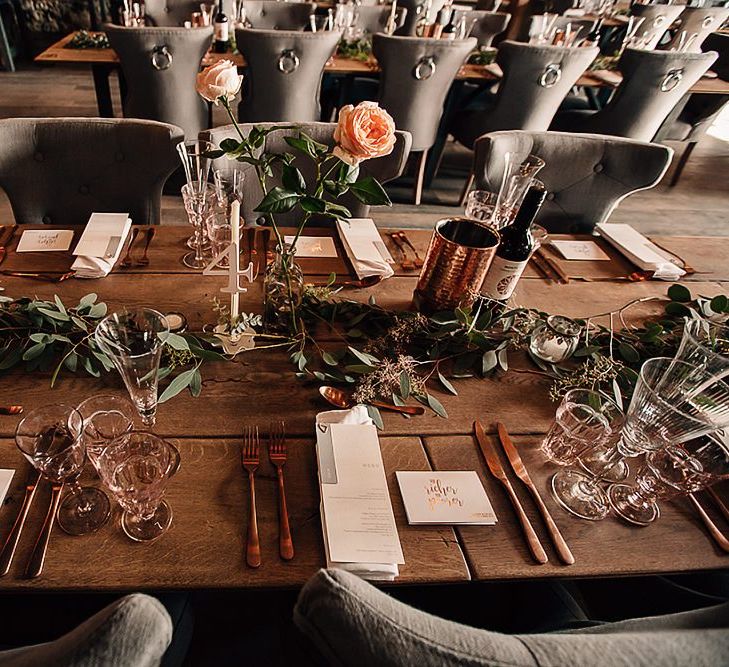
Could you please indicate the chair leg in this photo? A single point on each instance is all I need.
(682, 162)
(466, 189)
(419, 176)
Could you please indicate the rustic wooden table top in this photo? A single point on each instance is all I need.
(60, 53)
(204, 549)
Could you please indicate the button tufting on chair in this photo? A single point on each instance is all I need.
(83, 189)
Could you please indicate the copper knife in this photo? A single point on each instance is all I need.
(497, 470)
(518, 467)
(11, 543)
(38, 556)
(5, 237)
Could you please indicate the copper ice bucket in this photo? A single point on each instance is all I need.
(458, 257)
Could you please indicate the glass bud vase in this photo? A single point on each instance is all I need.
(283, 288)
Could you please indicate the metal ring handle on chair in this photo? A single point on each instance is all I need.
(288, 61)
(708, 20)
(659, 21)
(161, 58)
(551, 75)
(671, 80)
(425, 68)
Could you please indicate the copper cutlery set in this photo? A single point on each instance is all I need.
(401, 241)
(250, 458)
(517, 465)
(143, 261)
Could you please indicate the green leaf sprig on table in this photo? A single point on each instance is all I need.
(83, 39)
(358, 49)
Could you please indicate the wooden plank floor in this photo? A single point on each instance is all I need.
(698, 205)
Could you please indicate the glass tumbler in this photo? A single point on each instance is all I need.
(480, 205)
(106, 418)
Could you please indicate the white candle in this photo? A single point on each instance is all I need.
(235, 265)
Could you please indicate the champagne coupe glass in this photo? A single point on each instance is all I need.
(137, 468)
(50, 438)
(673, 470)
(106, 418)
(196, 160)
(518, 176)
(585, 420)
(133, 340)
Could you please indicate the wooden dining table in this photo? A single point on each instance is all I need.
(105, 61)
(205, 547)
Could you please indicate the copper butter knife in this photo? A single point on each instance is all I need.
(497, 470)
(517, 465)
(11, 544)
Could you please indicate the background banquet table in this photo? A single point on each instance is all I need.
(205, 547)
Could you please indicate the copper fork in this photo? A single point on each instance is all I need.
(150, 235)
(406, 264)
(127, 261)
(249, 459)
(277, 456)
(418, 259)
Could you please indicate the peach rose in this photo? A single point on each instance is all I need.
(363, 132)
(219, 82)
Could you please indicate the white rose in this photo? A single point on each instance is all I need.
(219, 82)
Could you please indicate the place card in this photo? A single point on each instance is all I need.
(45, 240)
(450, 497)
(313, 246)
(6, 477)
(580, 250)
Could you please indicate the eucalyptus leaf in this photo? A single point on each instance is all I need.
(179, 383)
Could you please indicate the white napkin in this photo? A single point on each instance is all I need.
(365, 248)
(640, 251)
(99, 231)
(373, 571)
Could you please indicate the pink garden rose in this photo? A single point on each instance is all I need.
(363, 132)
(220, 80)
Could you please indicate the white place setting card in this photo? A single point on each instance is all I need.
(6, 476)
(580, 250)
(445, 497)
(45, 240)
(313, 246)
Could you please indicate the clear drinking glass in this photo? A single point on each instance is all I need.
(705, 344)
(556, 339)
(50, 438)
(195, 156)
(133, 340)
(671, 471)
(106, 418)
(480, 205)
(137, 469)
(519, 173)
(192, 209)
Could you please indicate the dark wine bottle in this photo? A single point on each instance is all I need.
(222, 37)
(514, 250)
(451, 29)
(593, 38)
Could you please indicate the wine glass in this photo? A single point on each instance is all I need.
(136, 469)
(196, 160)
(106, 418)
(133, 340)
(518, 177)
(50, 438)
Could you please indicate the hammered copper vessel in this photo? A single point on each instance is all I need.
(458, 257)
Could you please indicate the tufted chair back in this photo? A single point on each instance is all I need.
(700, 20)
(415, 11)
(276, 15)
(57, 171)
(284, 72)
(383, 169)
(160, 65)
(585, 175)
(174, 13)
(653, 83)
(658, 19)
(373, 18)
(416, 76)
(536, 80)
(488, 25)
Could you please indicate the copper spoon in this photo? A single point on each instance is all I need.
(11, 409)
(342, 399)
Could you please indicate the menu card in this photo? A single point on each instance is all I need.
(360, 533)
(6, 477)
(451, 497)
(313, 246)
(580, 250)
(45, 240)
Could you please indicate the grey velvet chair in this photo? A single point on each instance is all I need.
(57, 171)
(536, 80)
(585, 175)
(351, 623)
(159, 66)
(276, 15)
(700, 20)
(416, 76)
(658, 18)
(487, 26)
(384, 169)
(373, 18)
(174, 13)
(653, 83)
(415, 10)
(284, 72)
(135, 630)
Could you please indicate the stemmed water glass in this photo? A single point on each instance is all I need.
(133, 340)
(136, 470)
(196, 160)
(50, 438)
(106, 418)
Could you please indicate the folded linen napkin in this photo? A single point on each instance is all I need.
(101, 244)
(373, 571)
(365, 248)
